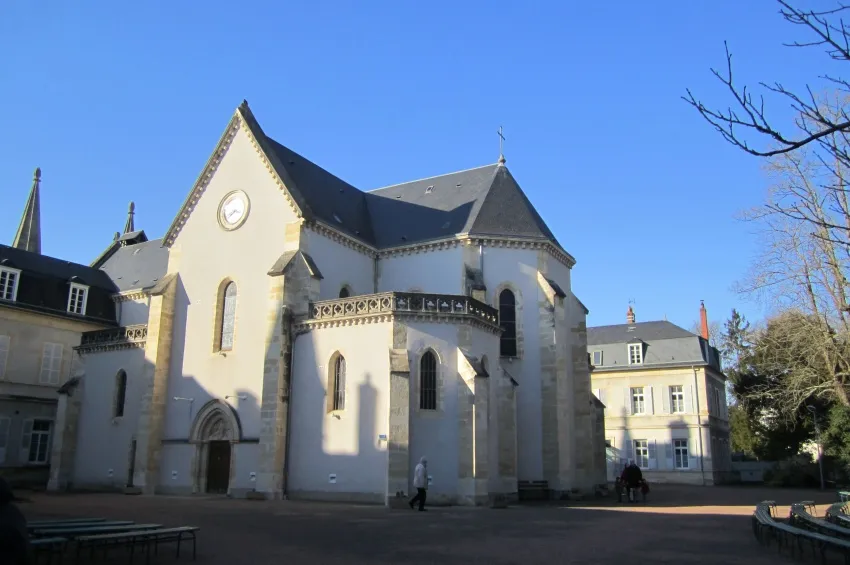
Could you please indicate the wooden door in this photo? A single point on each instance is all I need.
(218, 467)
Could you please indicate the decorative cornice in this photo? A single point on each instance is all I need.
(389, 306)
(203, 180)
(127, 337)
(469, 240)
(129, 295)
(342, 238)
(269, 167)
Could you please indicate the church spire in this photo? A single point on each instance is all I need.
(130, 226)
(28, 236)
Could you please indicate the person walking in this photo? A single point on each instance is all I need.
(14, 539)
(420, 483)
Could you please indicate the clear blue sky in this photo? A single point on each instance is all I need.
(120, 101)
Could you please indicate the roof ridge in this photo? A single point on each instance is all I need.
(479, 202)
(429, 178)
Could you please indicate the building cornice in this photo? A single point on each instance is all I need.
(650, 367)
(202, 181)
(125, 337)
(129, 295)
(340, 237)
(407, 306)
(76, 319)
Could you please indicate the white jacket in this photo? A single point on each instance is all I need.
(420, 477)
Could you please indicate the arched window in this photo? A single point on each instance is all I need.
(120, 393)
(344, 292)
(428, 381)
(337, 384)
(228, 316)
(507, 320)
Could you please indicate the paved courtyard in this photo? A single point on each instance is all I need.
(679, 524)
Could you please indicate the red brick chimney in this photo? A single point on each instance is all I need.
(703, 320)
(630, 315)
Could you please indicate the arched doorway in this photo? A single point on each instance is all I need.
(214, 433)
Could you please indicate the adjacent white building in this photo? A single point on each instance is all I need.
(665, 398)
(292, 335)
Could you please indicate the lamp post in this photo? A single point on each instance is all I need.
(814, 412)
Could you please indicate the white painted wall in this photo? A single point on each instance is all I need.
(344, 443)
(339, 265)
(247, 461)
(519, 267)
(175, 457)
(132, 312)
(434, 434)
(204, 254)
(104, 442)
(440, 272)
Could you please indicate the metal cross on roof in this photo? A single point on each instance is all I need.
(501, 143)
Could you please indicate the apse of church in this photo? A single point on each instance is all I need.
(324, 346)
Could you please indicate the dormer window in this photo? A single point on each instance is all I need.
(9, 283)
(597, 358)
(77, 298)
(635, 353)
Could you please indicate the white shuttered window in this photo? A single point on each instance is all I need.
(4, 354)
(51, 364)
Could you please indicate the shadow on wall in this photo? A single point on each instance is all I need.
(335, 454)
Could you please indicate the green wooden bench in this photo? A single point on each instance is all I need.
(844, 496)
(48, 547)
(143, 539)
(37, 526)
(75, 532)
(62, 521)
(801, 517)
(793, 537)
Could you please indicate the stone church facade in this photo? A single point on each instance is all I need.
(293, 336)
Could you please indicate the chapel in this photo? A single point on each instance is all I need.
(291, 335)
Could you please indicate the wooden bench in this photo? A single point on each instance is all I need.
(141, 538)
(72, 533)
(844, 496)
(837, 514)
(787, 535)
(48, 547)
(38, 526)
(61, 521)
(801, 517)
(533, 490)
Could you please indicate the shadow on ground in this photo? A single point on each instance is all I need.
(709, 525)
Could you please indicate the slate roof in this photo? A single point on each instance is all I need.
(665, 345)
(45, 282)
(329, 198)
(645, 331)
(482, 201)
(138, 266)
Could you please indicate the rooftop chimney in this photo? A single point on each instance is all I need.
(630, 315)
(703, 320)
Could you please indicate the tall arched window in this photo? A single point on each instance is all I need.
(428, 381)
(507, 320)
(338, 384)
(228, 316)
(120, 393)
(344, 292)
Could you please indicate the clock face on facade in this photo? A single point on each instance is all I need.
(233, 210)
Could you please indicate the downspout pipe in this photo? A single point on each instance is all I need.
(699, 425)
(287, 392)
